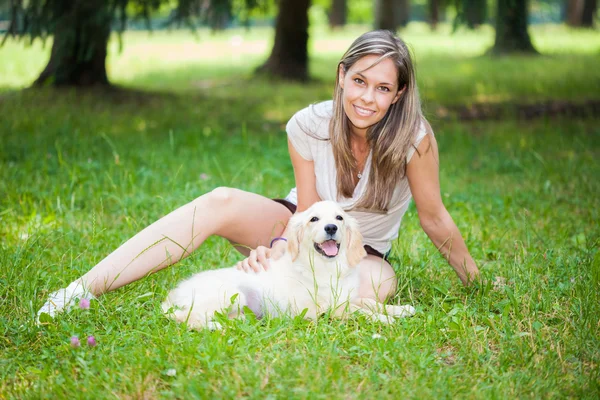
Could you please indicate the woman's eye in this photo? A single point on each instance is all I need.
(384, 88)
(339, 218)
(314, 219)
(359, 81)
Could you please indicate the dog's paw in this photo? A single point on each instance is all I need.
(401, 311)
(214, 326)
(385, 319)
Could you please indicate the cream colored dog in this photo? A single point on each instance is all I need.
(318, 272)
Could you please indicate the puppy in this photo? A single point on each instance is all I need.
(318, 272)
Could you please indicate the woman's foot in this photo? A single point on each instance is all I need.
(64, 299)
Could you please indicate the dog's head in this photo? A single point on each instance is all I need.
(326, 230)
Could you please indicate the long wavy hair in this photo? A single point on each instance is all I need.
(391, 138)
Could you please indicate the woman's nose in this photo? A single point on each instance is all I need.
(367, 95)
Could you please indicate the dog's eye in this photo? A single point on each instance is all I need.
(314, 219)
(339, 218)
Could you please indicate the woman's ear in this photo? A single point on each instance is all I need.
(399, 94)
(294, 235)
(341, 75)
(356, 251)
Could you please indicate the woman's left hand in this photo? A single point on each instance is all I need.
(259, 258)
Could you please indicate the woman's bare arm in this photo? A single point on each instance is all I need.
(423, 177)
(306, 182)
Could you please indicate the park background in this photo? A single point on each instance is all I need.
(88, 160)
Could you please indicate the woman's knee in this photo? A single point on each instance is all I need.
(220, 201)
(222, 195)
(218, 198)
(377, 279)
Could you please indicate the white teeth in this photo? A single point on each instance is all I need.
(363, 112)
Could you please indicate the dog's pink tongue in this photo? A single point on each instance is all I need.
(330, 248)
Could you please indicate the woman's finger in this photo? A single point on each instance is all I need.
(243, 266)
(263, 254)
(247, 265)
(253, 262)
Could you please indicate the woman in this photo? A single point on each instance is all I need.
(373, 150)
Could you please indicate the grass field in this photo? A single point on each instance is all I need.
(81, 173)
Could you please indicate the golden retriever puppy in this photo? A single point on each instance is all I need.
(318, 272)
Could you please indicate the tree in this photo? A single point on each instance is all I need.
(338, 13)
(401, 12)
(475, 12)
(384, 15)
(289, 56)
(472, 13)
(511, 28)
(391, 14)
(80, 30)
(580, 13)
(434, 12)
(590, 7)
(574, 9)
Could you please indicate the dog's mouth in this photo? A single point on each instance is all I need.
(329, 248)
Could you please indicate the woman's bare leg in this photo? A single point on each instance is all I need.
(377, 279)
(243, 218)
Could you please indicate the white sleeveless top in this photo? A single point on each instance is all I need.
(378, 229)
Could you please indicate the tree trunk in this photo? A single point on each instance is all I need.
(589, 12)
(219, 15)
(384, 15)
(289, 57)
(337, 14)
(475, 12)
(401, 12)
(78, 55)
(434, 13)
(511, 28)
(574, 12)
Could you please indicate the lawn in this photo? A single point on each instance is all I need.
(82, 172)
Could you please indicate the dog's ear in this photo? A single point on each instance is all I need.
(295, 234)
(356, 251)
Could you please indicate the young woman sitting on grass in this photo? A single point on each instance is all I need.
(373, 151)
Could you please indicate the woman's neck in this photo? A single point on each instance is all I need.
(359, 145)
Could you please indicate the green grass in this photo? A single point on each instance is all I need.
(81, 173)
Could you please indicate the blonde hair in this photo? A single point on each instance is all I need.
(391, 138)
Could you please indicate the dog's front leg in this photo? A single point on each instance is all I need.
(380, 312)
(373, 315)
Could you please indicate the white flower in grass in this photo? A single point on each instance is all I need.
(376, 336)
(171, 372)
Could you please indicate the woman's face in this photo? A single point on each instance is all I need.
(368, 92)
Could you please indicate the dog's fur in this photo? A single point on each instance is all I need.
(312, 275)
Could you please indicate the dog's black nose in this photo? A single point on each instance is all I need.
(331, 229)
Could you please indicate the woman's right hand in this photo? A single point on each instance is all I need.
(258, 260)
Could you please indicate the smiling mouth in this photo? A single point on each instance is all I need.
(363, 112)
(329, 248)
